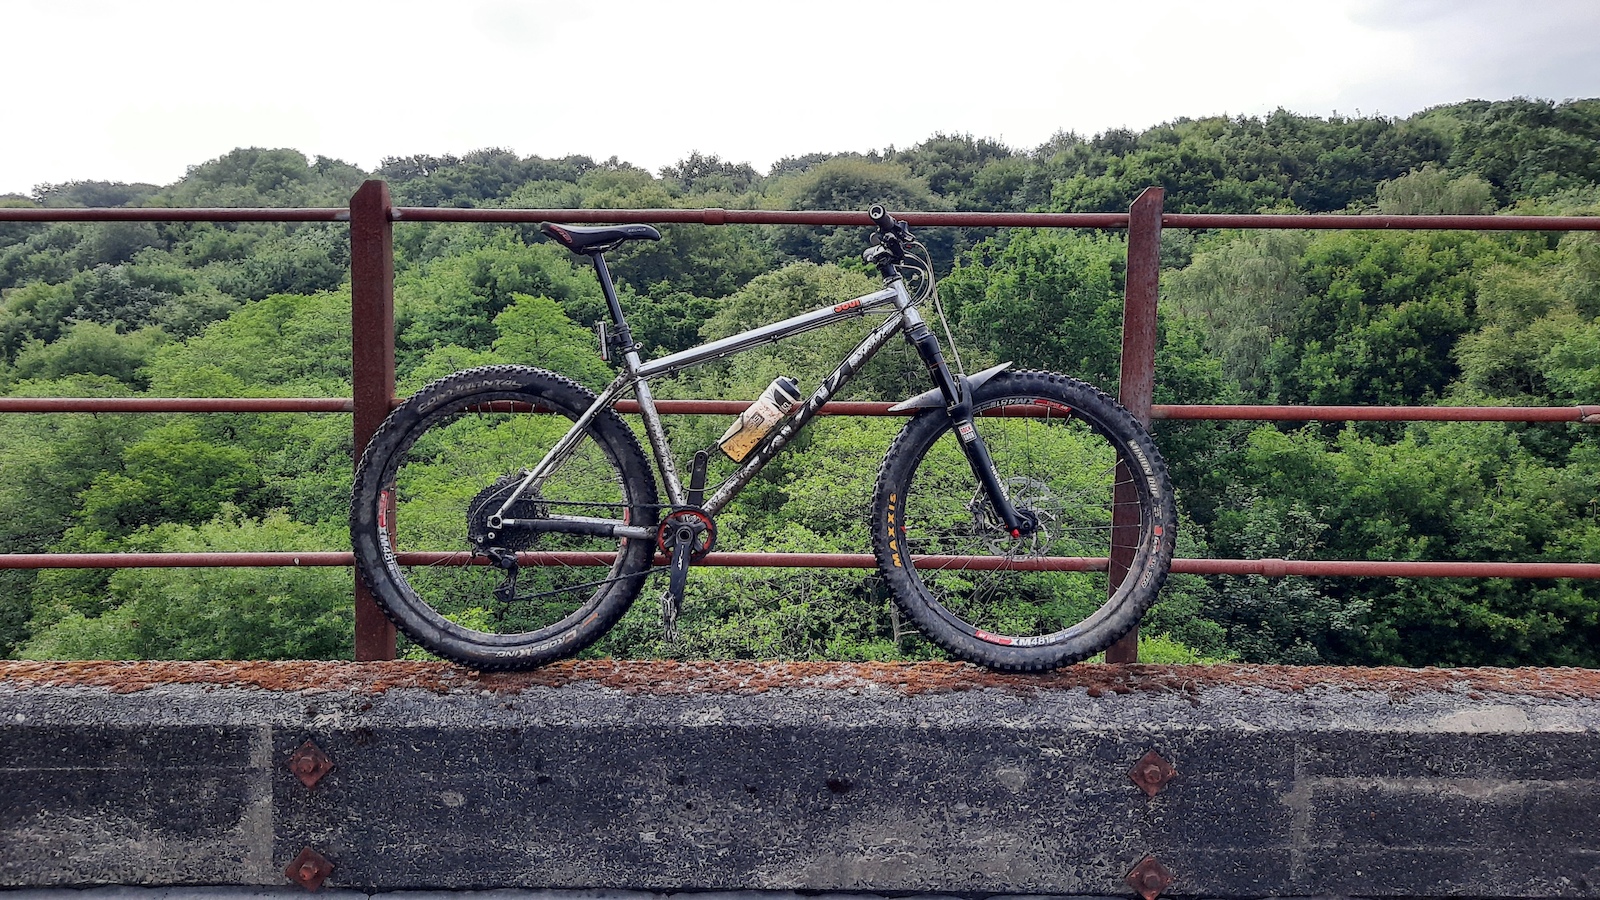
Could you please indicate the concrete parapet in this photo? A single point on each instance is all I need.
(933, 778)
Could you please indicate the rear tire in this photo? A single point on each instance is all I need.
(449, 457)
(1067, 454)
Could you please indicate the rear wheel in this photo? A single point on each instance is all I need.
(1078, 465)
(449, 459)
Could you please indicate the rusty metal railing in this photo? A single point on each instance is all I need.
(371, 217)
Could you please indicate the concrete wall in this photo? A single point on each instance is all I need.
(941, 779)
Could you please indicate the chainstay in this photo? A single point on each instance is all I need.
(523, 598)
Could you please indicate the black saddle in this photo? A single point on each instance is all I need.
(597, 238)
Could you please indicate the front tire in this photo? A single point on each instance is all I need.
(450, 456)
(1076, 461)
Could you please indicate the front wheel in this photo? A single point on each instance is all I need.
(451, 459)
(1087, 476)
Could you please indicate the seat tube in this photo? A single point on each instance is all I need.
(653, 428)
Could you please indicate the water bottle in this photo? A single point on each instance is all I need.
(755, 423)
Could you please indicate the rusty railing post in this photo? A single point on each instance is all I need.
(372, 365)
(1137, 384)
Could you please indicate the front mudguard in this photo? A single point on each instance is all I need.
(933, 399)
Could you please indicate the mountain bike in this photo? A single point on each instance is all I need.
(506, 516)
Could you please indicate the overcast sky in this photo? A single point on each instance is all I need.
(116, 90)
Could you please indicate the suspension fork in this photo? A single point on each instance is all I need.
(958, 406)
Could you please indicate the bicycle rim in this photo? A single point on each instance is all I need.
(446, 470)
(1067, 457)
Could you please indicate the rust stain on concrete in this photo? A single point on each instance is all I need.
(741, 677)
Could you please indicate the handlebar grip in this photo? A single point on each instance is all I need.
(881, 218)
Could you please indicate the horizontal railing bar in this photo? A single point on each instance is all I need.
(1369, 222)
(717, 216)
(1588, 414)
(174, 214)
(757, 217)
(1272, 568)
(173, 560)
(175, 404)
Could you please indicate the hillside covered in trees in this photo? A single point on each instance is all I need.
(1339, 317)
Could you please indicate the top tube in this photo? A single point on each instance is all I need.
(766, 334)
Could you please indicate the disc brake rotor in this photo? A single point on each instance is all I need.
(1028, 495)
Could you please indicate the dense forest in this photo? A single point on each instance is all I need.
(1343, 317)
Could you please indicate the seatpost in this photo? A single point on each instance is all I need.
(604, 274)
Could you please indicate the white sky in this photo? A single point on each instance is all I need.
(114, 90)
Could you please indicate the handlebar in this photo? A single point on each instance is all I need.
(888, 224)
(888, 248)
(888, 245)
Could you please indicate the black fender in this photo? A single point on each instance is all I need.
(933, 399)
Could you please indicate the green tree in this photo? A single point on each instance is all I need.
(1244, 293)
(845, 183)
(1381, 319)
(171, 474)
(91, 349)
(1045, 299)
(535, 332)
(214, 613)
(1430, 191)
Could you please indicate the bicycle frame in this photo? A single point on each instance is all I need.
(636, 375)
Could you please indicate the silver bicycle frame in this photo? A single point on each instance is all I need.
(636, 375)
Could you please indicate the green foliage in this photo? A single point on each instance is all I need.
(90, 349)
(476, 179)
(844, 183)
(977, 174)
(301, 262)
(213, 613)
(693, 259)
(1430, 191)
(1457, 491)
(455, 300)
(265, 348)
(171, 474)
(260, 309)
(700, 173)
(535, 332)
(1233, 165)
(253, 176)
(1524, 148)
(1046, 299)
(1381, 317)
(1244, 293)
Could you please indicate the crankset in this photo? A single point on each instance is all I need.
(686, 535)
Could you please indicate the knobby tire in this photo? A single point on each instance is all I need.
(452, 453)
(1068, 455)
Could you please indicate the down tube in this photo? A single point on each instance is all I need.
(830, 386)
